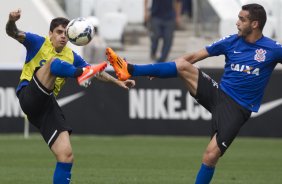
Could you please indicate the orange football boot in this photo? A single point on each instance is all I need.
(89, 72)
(119, 64)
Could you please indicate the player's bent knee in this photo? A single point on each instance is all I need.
(52, 59)
(49, 63)
(62, 148)
(183, 66)
(211, 157)
(65, 156)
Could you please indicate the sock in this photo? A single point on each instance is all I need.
(64, 69)
(205, 174)
(62, 174)
(161, 70)
(78, 72)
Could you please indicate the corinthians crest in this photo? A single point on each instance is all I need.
(260, 55)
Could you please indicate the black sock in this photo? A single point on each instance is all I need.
(130, 68)
(78, 72)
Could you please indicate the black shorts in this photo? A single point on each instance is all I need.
(42, 110)
(227, 115)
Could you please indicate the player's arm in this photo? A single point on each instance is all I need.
(104, 76)
(195, 56)
(11, 28)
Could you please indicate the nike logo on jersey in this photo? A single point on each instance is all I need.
(237, 52)
(68, 99)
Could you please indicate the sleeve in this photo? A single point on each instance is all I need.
(279, 52)
(79, 61)
(32, 43)
(219, 47)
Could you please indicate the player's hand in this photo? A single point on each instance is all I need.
(126, 84)
(15, 15)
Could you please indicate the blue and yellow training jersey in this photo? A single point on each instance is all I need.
(39, 51)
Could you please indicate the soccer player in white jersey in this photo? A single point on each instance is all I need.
(250, 58)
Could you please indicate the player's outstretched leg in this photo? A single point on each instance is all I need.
(84, 75)
(125, 70)
(119, 64)
(89, 72)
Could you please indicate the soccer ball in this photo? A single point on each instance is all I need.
(80, 31)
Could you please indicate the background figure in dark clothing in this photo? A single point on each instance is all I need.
(187, 8)
(162, 18)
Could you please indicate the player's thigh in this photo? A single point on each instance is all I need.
(62, 143)
(228, 119)
(212, 152)
(51, 121)
(45, 76)
(189, 74)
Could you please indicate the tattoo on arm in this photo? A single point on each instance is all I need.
(103, 76)
(14, 32)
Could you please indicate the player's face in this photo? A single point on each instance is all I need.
(58, 38)
(244, 24)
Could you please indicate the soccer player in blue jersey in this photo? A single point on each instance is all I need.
(48, 62)
(250, 58)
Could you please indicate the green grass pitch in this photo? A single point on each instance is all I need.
(140, 160)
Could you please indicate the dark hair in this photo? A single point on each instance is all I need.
(57, 22)
(257, 13)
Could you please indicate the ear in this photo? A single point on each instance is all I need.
(255, 24)
(50, 34)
